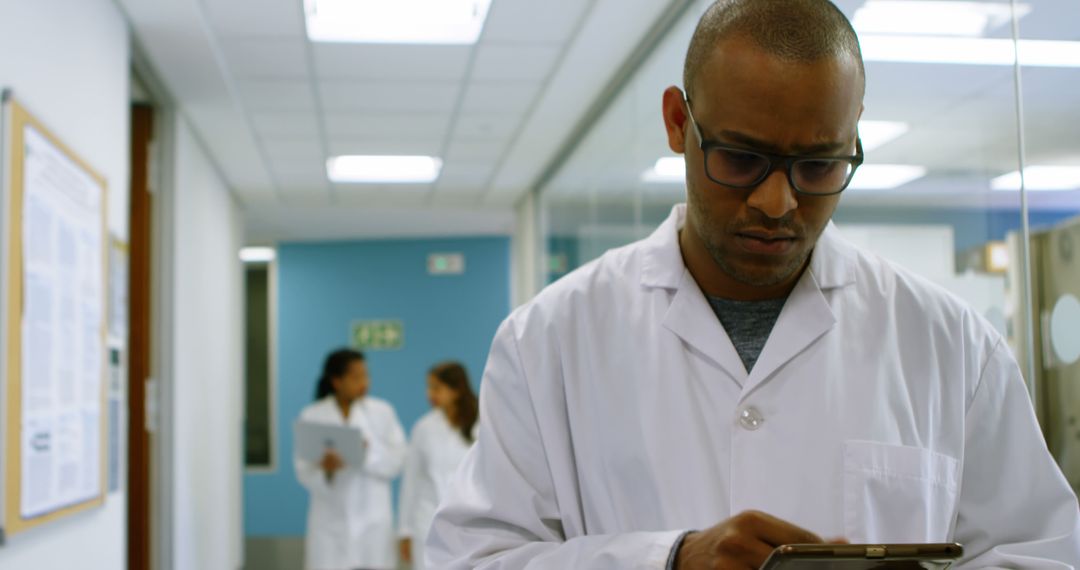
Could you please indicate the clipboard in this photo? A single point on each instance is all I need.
(311, 440)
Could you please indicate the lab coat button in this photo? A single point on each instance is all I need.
(750, 418)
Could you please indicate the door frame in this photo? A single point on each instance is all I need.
(161, 188)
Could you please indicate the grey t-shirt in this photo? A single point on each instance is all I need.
(748, 323)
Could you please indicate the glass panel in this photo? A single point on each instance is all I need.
(607, 194)
(940, 133)
(939, 193)
(939, 128)
(936, 136)
(1052, 181)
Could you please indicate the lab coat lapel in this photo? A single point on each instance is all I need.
(691, 318)
(805, 318)
(689, 315)
(807, 315)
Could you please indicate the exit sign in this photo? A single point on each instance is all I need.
(378, 335)
(446, 264)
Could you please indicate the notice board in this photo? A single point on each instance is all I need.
(53, 260)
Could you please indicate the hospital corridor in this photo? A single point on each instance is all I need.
(539, 284)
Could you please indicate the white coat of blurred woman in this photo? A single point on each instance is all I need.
(350, 519)
(439, 442)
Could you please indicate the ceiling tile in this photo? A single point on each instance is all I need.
(513, 98)
(293, 150)
(391, 62)
(464, 196)
(529, 21)
(594, 54)
(257, 17)
(382, 146)
(462, 177)
(266, 58)
(295, 175)
(262, 198)
(365, 195)
(474, 151)
(231, 143)
(297, 185)
(506, 62)
(282, 95)
(286, 124)
(465, 171)
(485, 126)
(385, 125)
(409, 96)
(299, 198)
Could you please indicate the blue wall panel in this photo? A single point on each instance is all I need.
(322, 288)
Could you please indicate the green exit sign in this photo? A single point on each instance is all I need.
(378, 335)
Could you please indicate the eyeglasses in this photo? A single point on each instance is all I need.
(737, 167)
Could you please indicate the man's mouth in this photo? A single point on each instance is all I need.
(766, 242)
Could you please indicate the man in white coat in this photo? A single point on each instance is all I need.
(745, 378)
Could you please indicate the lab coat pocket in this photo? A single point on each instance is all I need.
(895, 493)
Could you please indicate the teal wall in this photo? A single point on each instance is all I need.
(322, 288)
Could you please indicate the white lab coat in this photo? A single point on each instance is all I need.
(617, 414)
(350, 518)
(436, 449)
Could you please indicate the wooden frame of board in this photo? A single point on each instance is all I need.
(17, 120)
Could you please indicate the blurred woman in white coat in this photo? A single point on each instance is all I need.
(350, 519)
(439, 442)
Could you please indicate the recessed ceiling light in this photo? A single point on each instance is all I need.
(666, 170)
(885, 176)
(1040, 179)
(383, 169)
(396, 21)
(968, 19)
(970, 51)
(257, 254)
(874, 134)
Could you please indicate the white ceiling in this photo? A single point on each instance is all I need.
(962, 119)
(272, 107)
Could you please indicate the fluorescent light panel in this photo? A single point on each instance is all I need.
(396, 21)
(885, 176)
(1040, 179)
(875, 134)
(257, 254)
(965, 19)
(383, 169)
(668, 169)
(970, 51)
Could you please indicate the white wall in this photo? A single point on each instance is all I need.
(67, 62)
(207, 365)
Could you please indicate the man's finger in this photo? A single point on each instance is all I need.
(776, 532)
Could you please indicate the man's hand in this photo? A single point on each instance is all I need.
(743, 541)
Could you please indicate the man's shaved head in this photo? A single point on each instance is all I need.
(795, 30)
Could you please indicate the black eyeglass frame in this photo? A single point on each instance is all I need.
(788, 160)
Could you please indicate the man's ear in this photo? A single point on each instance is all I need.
(676, 120)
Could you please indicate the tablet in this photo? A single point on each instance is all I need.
(312, 440)
(863, 556)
